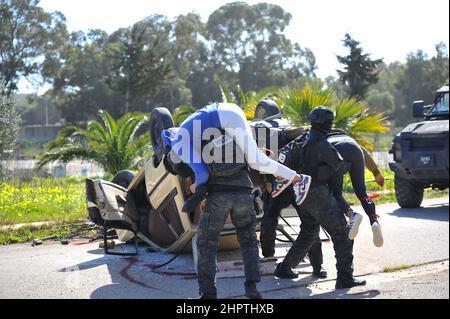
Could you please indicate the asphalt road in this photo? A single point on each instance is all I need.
(79, 270)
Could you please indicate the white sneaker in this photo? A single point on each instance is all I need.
(353, 225)
(377, 234)
(301, 189)
(279, 185)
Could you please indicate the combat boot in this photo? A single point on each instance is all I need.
(205, 296)
(320, 272)
(284, 272)
(267, 250)
(349, 283)
(251, 291)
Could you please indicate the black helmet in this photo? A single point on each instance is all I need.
(321, 115)
(321, 119)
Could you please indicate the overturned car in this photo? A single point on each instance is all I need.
(148, 205)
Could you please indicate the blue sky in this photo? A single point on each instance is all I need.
(387, 29)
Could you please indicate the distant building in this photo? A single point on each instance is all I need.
(38, 133)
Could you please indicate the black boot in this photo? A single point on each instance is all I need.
(349, 283)
(251, 291)
(267, 250)
(205, 296)
(320, 272)
(284, 272)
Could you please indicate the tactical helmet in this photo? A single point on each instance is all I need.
(321, 115)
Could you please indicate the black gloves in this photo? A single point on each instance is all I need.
(192, 202)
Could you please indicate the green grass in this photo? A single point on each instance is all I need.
(396, 268)
(64, 201)
(42, 199)
(61, 201)
(387, 194)
(28, 233)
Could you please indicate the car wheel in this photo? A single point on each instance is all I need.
(266, 108)
(160, 120)
(123, 178)
(408, 195)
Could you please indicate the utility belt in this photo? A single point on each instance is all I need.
(228, 188)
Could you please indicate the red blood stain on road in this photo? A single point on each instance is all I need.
(124, 273)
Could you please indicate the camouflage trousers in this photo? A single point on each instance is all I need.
(243, 216)
(321, 208)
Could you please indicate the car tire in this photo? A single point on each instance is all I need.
(123, 178)
(265, 109)
(160, 120)
(408, 195)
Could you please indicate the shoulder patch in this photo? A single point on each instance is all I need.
(282, 158)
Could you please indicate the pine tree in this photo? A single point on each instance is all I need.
(360, 70)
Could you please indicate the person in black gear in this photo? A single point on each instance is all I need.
(353, 154)
(358, 159)
(268, 229)
(313, 155)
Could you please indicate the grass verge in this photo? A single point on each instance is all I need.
(396, 268)
(64, 201)
(28, 233)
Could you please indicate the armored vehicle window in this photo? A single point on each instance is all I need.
(441, 105)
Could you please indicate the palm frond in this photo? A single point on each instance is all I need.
(371, 124)
(346, 112)
(97, 132)
(106, 144)
(251, 100)
(226, 94)
(127, 132)
(352, 116)
(298, 103)
(110, 124)
(65, 136)
(138, 148)
(181, 113)
(69, 153)
(126, 117)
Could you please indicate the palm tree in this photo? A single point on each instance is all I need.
(113, 145)
(246, 100)
(181, 113)
(352, 116)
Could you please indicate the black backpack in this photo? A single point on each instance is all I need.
(298, 158)
(292, 155)
(228, 160)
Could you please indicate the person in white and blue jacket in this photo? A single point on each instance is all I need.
(186, 142)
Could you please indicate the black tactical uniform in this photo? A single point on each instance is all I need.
(228, 194)
(320, 160)
(269, 223)
(355, 159)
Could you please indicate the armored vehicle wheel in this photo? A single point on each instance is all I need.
(408, 195)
